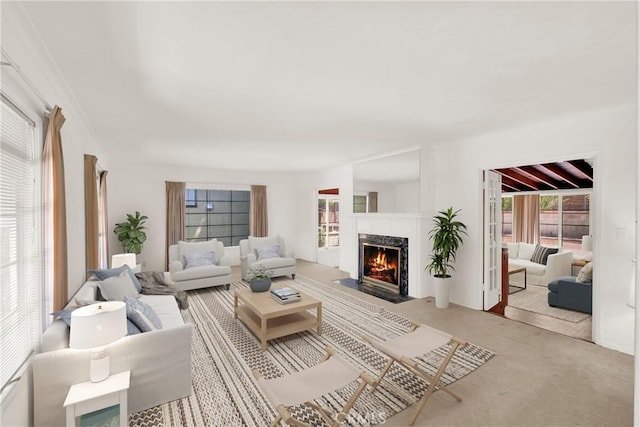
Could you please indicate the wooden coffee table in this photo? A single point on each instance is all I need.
(268, 319)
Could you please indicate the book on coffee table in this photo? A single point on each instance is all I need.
(285, 292)
(286, 300)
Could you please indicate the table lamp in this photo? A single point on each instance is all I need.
(119, 260)
(587, 246)
(95, 326)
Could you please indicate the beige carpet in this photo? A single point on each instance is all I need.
(534, 299)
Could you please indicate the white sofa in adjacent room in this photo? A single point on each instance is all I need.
(159, 361)
(557, 264)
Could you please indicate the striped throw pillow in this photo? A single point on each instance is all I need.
(541, 253)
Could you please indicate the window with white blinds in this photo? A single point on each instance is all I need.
(20, 240)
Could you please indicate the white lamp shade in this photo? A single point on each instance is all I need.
(119, 260)
(587, 243)
(97, 325)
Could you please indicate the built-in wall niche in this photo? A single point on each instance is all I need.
(388, 183)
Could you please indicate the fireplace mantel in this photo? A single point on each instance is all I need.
(407, 225)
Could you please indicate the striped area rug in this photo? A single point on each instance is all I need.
(224, 352)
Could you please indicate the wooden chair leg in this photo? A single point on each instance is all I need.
(382, 374)
(347, 407)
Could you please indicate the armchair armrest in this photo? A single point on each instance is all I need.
(175, 266)
(225, 260)
(558, 265)
(245, 262)
(289, 253)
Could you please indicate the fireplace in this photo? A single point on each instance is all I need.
(383, 263)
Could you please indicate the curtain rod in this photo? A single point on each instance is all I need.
(30, 85)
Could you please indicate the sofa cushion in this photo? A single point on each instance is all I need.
(116, 288)
(110, 272)
(166, 308)
(525, 250)
(541, 253)
(142, 315)
(198, 259)
(275, 262)
(585, 274)
(201, 272)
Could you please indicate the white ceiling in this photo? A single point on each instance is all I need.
(306, 85)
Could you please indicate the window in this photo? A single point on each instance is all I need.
(220, 214)
(20, 237)
(549, 220)
(575, 220)
(507, 219)
(328, 221)
(360, 203)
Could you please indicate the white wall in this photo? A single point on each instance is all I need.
(134, 187)
(393, 197)
(24, 48)
(609, 136)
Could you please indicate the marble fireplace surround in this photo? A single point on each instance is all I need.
(399, 225)
(401, 243)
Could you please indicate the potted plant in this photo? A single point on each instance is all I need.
(130, 233)
(259, 278)
(446, 235)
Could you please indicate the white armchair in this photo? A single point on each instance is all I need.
(269, 252)
(194, 265)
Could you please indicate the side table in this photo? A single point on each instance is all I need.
(576, 265)
(88, 397)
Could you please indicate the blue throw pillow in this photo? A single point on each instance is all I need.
(106, 273)
(65, 315)
(199, 258)
(142, 315)
(132, 329)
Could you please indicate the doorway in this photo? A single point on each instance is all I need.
(328, 227)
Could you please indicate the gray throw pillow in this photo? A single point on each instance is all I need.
(586, 274)
(199, 258)
(265, 252)
(65, 315)
(142, 315)
(116, 288)
(110, 272)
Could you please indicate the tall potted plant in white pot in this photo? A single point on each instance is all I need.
(446, 235)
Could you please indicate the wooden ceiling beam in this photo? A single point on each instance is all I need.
(510, 184)
(547, 179)
(584, 167)
(566, 176)
(523, 179)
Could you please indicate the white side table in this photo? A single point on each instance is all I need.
(88, 397)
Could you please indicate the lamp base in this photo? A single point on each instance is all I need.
(99, 368)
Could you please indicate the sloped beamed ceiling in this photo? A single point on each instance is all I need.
(568, 175)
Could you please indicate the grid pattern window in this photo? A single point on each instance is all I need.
(219, 214)
(359, 204)
(21, 250)
(328, 222)
(507, 219)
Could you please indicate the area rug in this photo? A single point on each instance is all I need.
(534, 299)
(224, 352)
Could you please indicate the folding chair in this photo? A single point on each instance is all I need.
(302, 387)
(420, 340)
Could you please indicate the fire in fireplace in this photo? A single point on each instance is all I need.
(380, 265)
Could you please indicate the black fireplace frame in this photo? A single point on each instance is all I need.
(389, 241)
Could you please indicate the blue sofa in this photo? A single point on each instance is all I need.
(565, 292)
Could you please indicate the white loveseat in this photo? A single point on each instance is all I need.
(202, 276)
(159, 361)
(558, 264)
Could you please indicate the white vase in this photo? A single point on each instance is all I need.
(442, 290)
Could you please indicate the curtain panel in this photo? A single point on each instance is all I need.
(258, 221)
(56, 214)
(91, 214)
(175, 215)
(526, 218)
(104, 222)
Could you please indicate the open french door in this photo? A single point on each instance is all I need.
(492, 239)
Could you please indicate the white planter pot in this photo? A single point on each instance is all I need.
(442, 290)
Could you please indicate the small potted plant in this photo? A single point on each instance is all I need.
(447, 235)
(259, 278)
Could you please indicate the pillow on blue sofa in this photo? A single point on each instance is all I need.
(585, 275)
(541, 253)
(110, 272)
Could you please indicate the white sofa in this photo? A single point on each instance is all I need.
(203, 276)
(558, 264)
(281, 265)
(159, 361)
